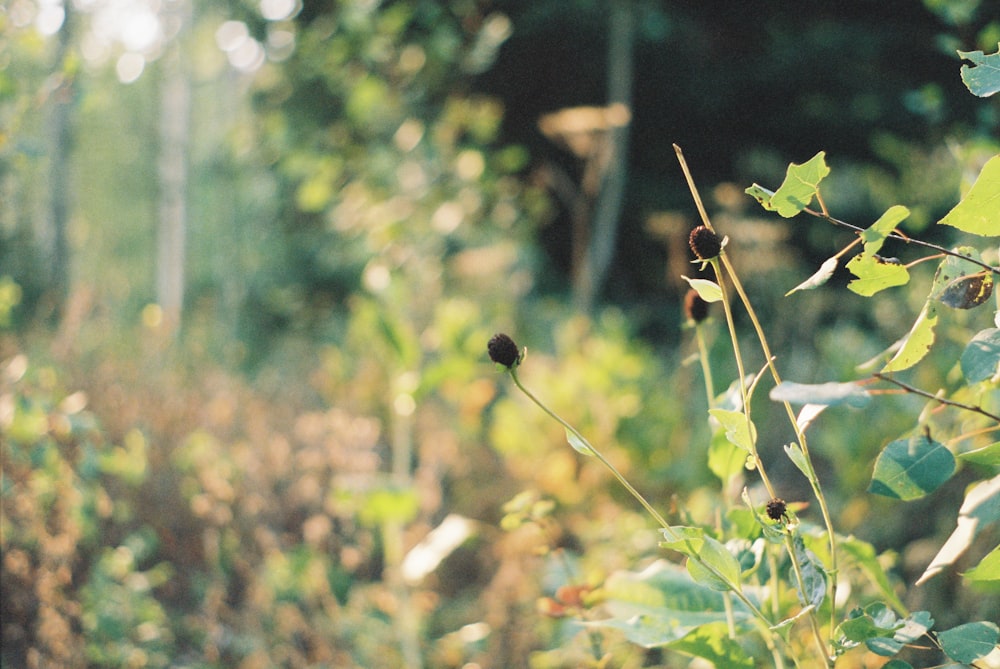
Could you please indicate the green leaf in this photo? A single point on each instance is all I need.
(875, 620)
(981, 357)
(711, 642)
(980, 509)
(821, 276)
(800, 186)
(917, 342)
(725, 459)
(910, 468)
(988, 568)
(864, 556)
(661, 605)
(880, 230)
(798, 458)
(969, 642)
(578, 444)
(762, 195)
(828, 394)
(979, 211)
(715, 567)
(988, 456)
(707, 290)
(875, 274)
(740, 430)
(813, 590)
(982, 78)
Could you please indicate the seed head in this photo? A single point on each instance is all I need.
(777, 509)
(705, 243)
(695, 308)
(503, 351)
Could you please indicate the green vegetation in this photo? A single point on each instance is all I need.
(251, 255)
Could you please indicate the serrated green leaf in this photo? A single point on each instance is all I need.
(982, 78)
(740, 431)
(879, 231)
(707, 290)
(800, 186)
(917, 342)
(911, 468)
(969, 642)
(979, 211)
(578, 444)
(821, 276)
(981, 357)
(988, 568)
(828, 394)
(875, 274)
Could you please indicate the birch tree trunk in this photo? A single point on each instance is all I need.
(175, 120)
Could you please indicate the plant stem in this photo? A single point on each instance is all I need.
(942, 400)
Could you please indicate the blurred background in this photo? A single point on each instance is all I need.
(251, 254)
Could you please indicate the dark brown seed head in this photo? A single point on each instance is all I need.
(705, 243)
(503, 350)
(695, 308)
(776, 509)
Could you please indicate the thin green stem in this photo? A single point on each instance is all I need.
(706, 369)
(669, 532)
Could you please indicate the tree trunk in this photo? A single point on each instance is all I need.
(175, 115)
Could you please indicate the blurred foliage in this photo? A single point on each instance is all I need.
(365, 212)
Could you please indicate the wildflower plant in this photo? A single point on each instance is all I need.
(764, 586)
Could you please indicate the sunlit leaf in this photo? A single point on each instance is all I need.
(880, 230)
(980, 509)
(578, 444)
(917, 342)
(739, 429)
(988, 568)
(762, 195)
(875, 274)
(821, 276)
(969, 642)
(707, 290)
(979, 211)
(911, 468)
(828, 394)
(798, 458)
(982, 78)
(981, 357)
(800, 186)
(713, 643)
(725, 459)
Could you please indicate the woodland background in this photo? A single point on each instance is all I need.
(251, 255)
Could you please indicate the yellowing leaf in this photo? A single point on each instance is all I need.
(707, 290)
(916, 343)
(979, 211)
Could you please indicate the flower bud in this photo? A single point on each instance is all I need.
(776, 509)
(705, 243)
(503, 351)
(695, 307)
